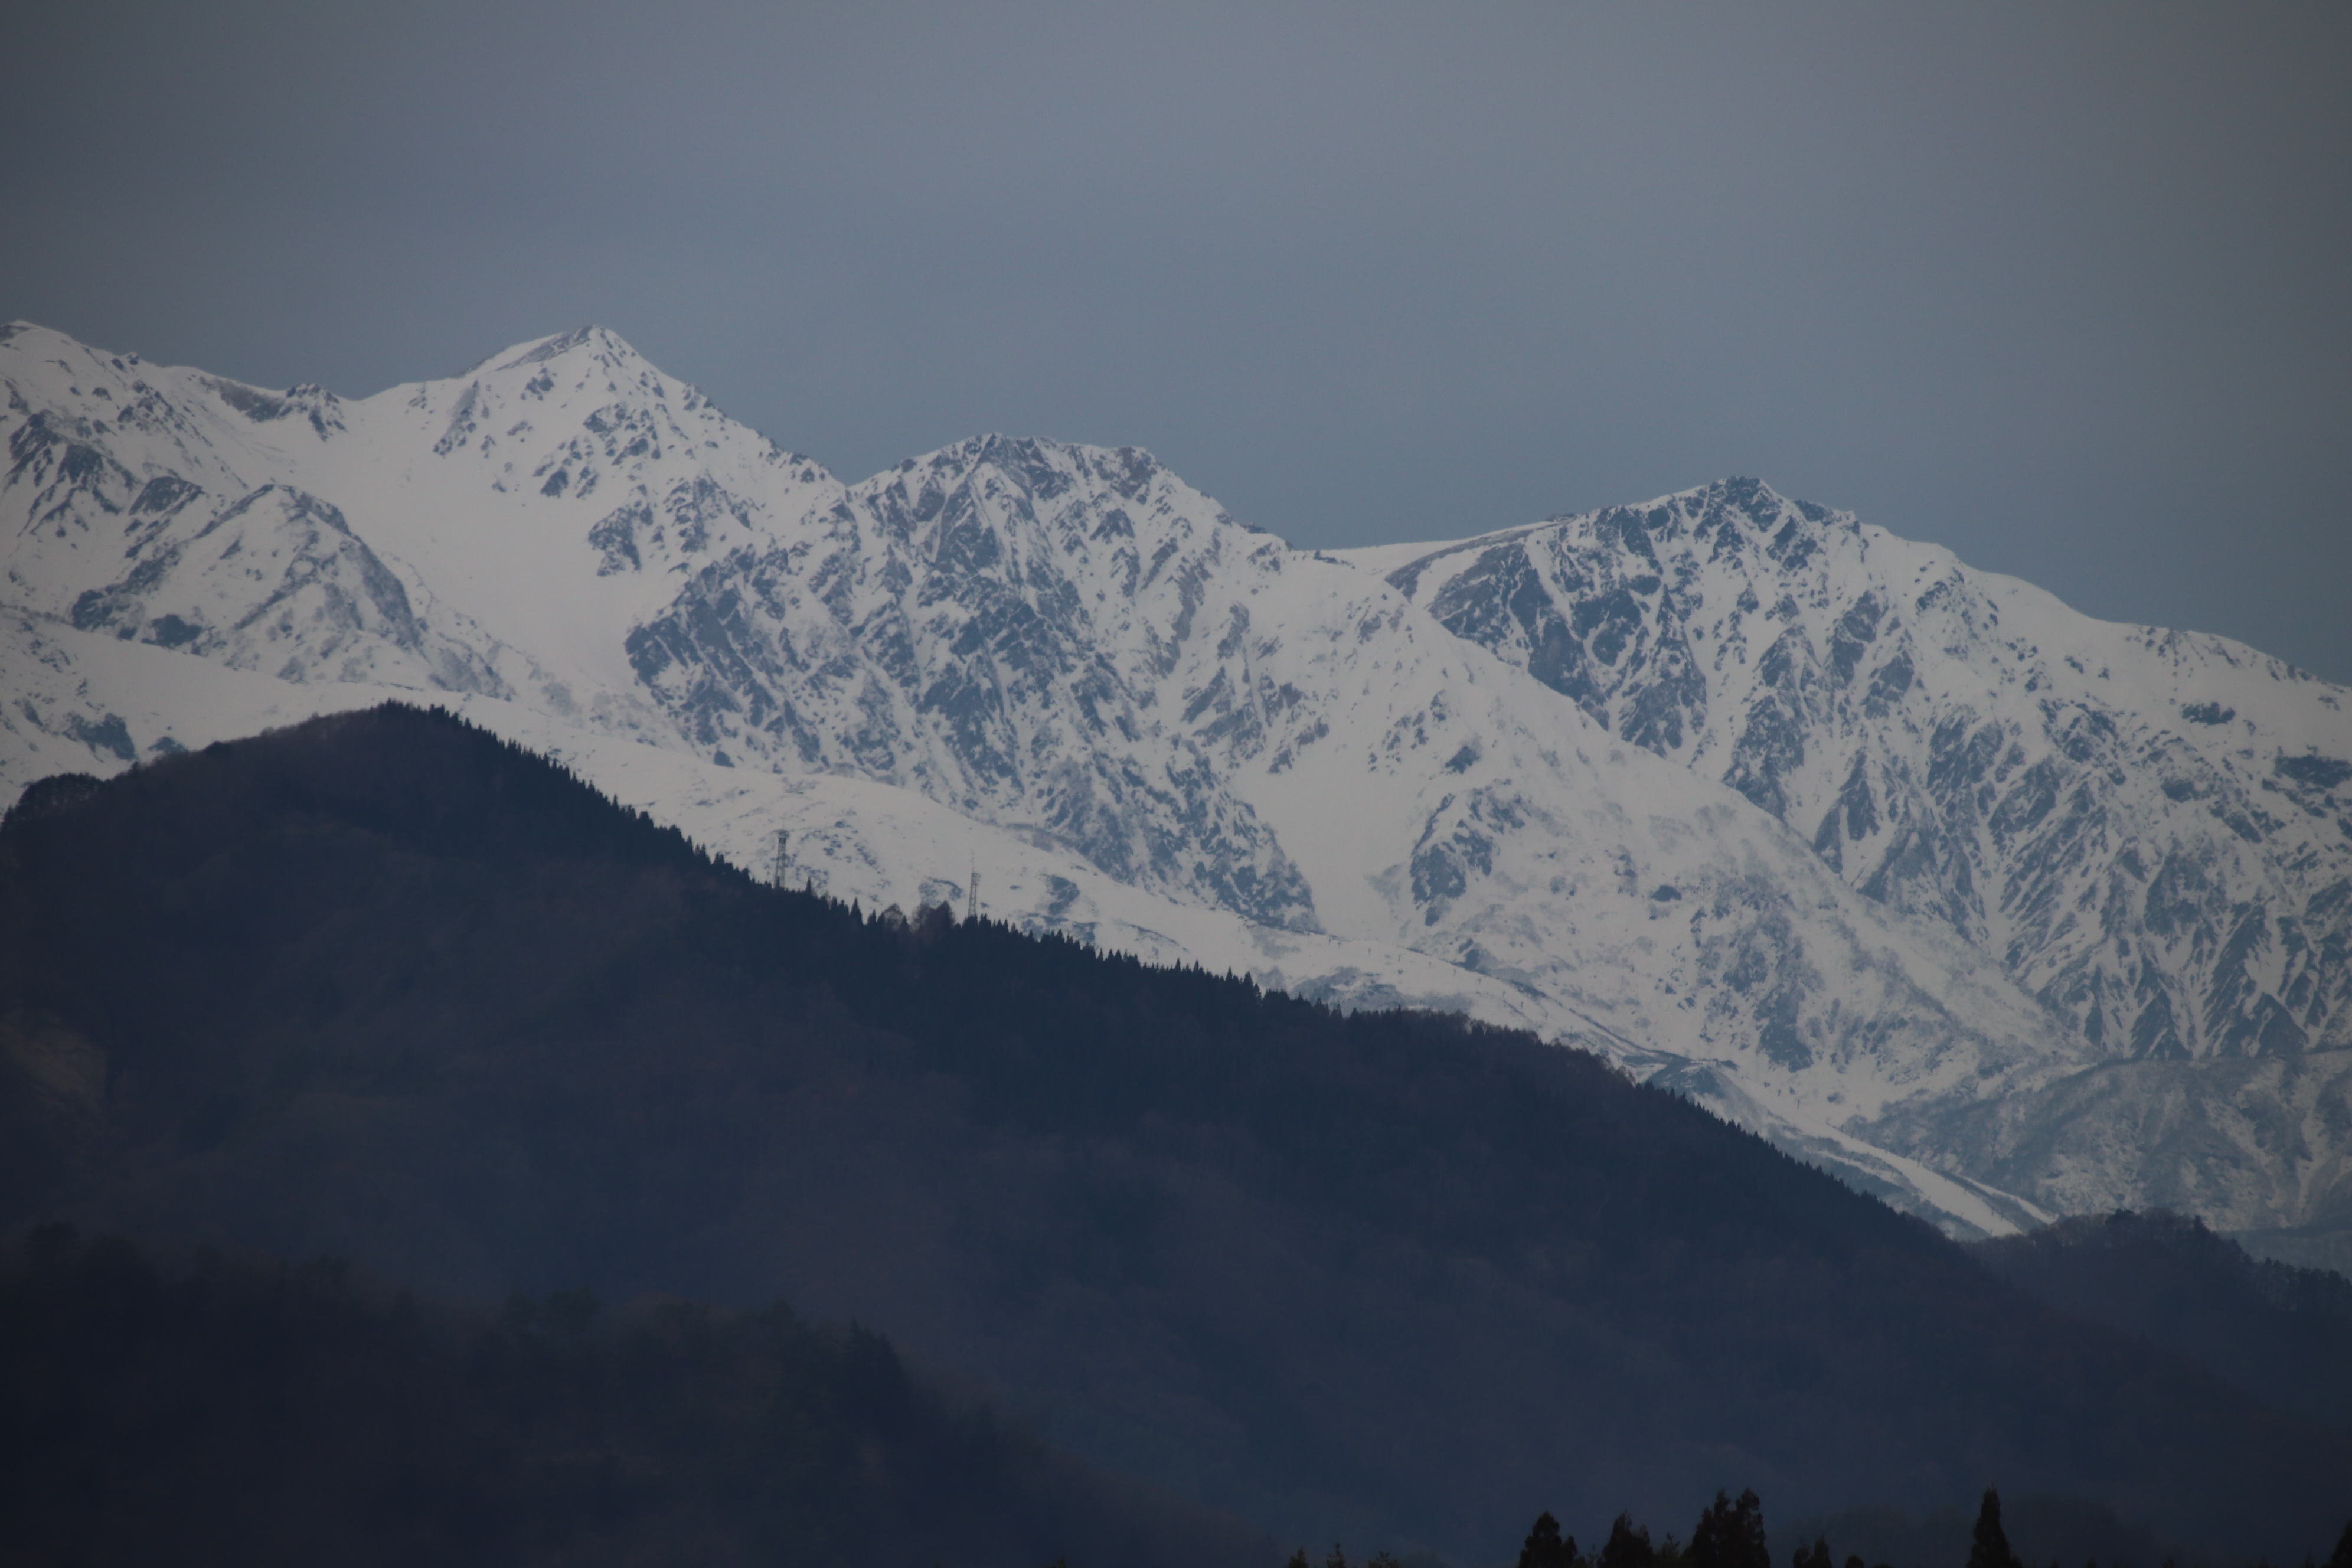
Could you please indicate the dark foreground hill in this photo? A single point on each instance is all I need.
(384, 987)
(235, 1413)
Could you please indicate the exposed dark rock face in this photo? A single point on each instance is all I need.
(940, 628)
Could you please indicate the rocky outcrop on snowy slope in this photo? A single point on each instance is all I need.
(2152, 830)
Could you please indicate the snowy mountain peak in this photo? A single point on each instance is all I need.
(992, 503)
(584, 347)
(992, 625)
(34, 340)
(1987, 905)
(601, 343)
(2118, 812)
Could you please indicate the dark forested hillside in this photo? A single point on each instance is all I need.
(2282, 1333)
(384, 987)
(236, 1413)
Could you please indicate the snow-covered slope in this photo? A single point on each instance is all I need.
(1138, 721)
(2152, 830)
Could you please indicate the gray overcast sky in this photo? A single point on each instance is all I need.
(2062, 287)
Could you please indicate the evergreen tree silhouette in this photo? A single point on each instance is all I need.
(1628, 1545)
(1731, 1535)
(1989, 1547)
(1545, 1547)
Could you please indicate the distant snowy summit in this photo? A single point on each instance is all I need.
(1995, 909)
(1962, 747)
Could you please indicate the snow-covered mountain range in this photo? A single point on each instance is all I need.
(1997, 909)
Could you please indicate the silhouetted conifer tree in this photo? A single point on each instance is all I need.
(2342, 1556)
(1989, 1547)
(1545, 1546)
(1628, 1545)
(1731, 1535)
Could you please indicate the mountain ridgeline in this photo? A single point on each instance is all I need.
(385, 986)
(2152, 828)
(2000, 911)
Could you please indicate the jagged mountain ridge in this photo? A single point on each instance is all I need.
(1076, 652)
(911, 567)
(491, 435)
(2151, 828)
(947, 627)
(1296, 686)
(1865, 690)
